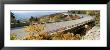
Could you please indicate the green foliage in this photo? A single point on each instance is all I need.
(19, 25)
(16, 23)
(13, 36)
(32, 19)
(95, 13)
(51, 18)
(13, 18)
(77, 11)
(12, 15)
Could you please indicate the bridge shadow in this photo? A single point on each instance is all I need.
(81, 29)
(78, 30)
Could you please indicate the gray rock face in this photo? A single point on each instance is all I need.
(93, 34)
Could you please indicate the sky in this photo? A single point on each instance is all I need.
(32, 11)
(23, 14)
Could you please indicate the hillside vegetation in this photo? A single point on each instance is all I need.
(35, 26)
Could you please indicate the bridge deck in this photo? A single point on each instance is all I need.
(55, 26)
(51, 27)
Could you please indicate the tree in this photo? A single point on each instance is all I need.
(13, 18)
(32, 19)
(83, 11)
(71, 11)
(12, 15)
(36, 19)
(18, 21)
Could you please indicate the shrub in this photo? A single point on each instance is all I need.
(13, 36)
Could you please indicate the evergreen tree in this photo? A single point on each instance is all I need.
(12, 15)
(18, 21)
(32, 19)
(36, 19)
(13, 18)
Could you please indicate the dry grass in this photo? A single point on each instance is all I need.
(60, 35)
